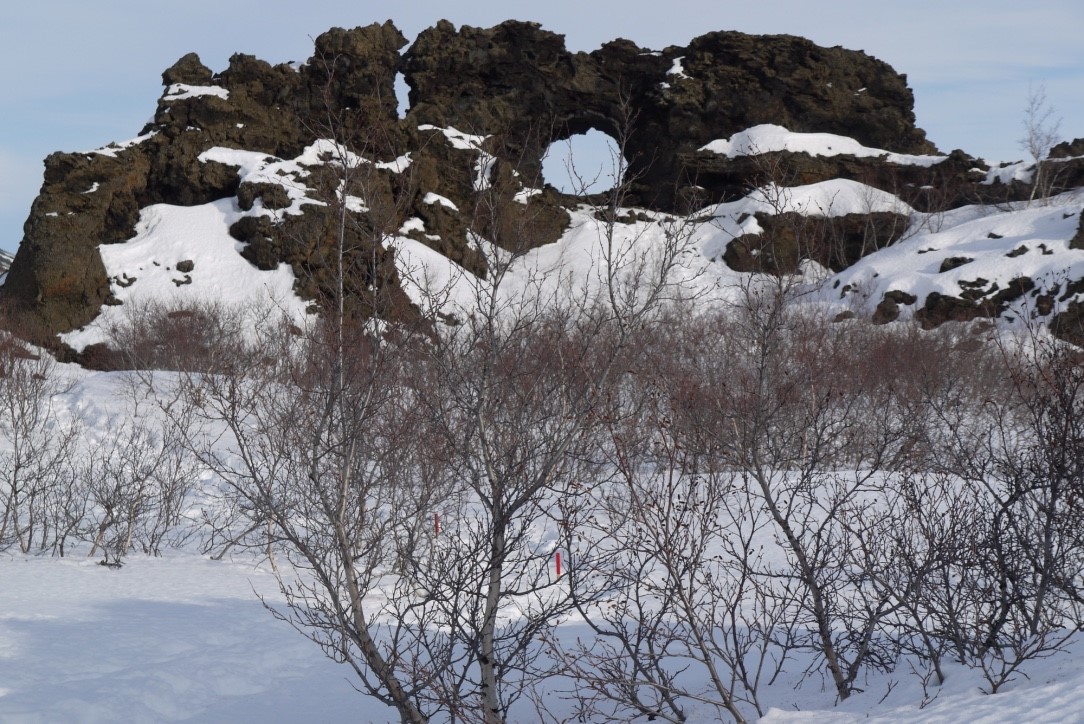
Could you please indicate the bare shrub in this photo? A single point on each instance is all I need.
(39, 508)
(197, 336)
(137, 483)
(666, 552)
(310, 439)
(1019, 597)
(1042, 131)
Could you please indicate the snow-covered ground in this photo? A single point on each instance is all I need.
(179, 638)
(184, 637)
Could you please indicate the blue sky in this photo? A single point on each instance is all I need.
(79, 75)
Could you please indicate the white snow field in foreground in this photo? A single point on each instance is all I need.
(180, 638)
(184, 638)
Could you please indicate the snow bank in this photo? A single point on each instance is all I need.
(180, 92)
(144, 269)
(114, 148)
(769, 138)
(998, 246)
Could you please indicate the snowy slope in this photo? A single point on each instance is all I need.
(1002, 243)
(988, 243)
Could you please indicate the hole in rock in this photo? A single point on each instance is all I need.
(585, 163)
(402, 91)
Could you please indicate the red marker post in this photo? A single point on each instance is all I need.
(436, 523)
(558, 562)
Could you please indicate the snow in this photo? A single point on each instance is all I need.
(179, 638)
(524, 195)
(459, 140)
(143, 269)
(1036, 237)
(568, 270)
(835, 197)
(677, 70)
(253, 167)
(575, 264)
(1007, 173)
(398, 165)
(186, 638)
(432, 198)
(770, 138)
(180, 92)
(114, 148)
(1022, 171)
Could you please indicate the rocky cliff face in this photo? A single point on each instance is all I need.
(519, 82)
(511, 91)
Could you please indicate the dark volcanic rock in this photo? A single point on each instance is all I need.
(189, 70)
(1068, 149)
(940, 308)
(1077, 242)
(888, 310)
(954, 262)
(87, 200)
(1069, 325)
(833, 242)
(518, 81)
(517, 85)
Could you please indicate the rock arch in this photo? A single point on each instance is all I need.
(518, 82)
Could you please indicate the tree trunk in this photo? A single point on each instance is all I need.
(487, 656)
